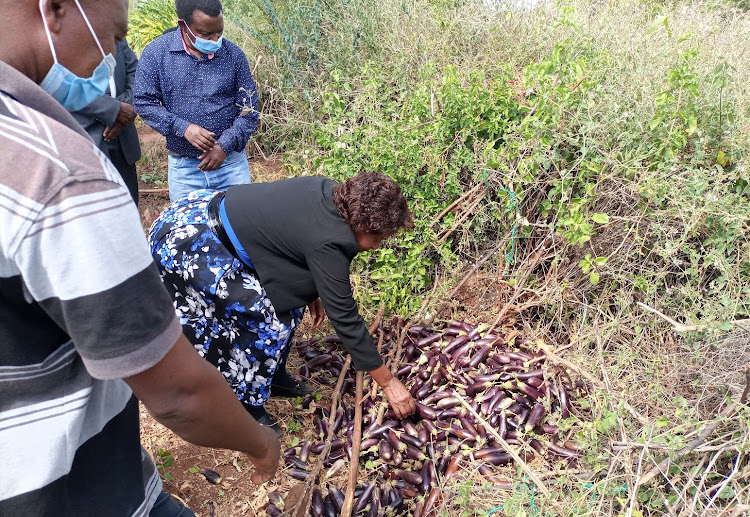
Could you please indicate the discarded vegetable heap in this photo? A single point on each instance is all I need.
(505, 385)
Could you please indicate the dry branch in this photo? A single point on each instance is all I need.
(697, 441)
(456, 202)
(346, 510)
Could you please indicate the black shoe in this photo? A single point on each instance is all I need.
(284, 385)
(261, 416)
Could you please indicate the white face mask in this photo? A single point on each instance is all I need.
(68, 89)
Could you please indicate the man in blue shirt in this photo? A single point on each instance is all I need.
(195, 87)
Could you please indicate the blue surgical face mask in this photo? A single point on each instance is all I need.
(203, 45)
(68, 89)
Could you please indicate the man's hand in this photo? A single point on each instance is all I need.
(266, 466)
(317, 312)
(399, 398)
(212, 159)
(110, 133)
(126, 116)
(201, 138)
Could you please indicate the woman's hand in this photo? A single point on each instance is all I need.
(398, 396)
(317, 312)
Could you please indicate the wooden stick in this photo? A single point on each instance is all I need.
(378, 318)
(306, 497)
(456, 202)
(346, 509)
(153, 190)
(676, 326)
(538, 482)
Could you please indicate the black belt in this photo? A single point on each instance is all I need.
(216, 226)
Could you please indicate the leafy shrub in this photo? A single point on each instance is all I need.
(148, 20)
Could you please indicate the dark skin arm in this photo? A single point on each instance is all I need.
(398, 396)
(188, 395)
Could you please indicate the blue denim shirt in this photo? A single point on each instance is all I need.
(173, 89)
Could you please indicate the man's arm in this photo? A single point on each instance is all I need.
(236, 137)
(189, 396)
(148, 99)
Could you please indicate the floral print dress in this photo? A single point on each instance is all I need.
(223, 308)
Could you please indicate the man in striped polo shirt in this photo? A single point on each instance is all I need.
(85, 323)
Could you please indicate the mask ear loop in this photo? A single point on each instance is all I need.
(91, 29)
(96, 39)
(47, 31)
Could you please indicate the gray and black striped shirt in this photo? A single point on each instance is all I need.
(81, 307)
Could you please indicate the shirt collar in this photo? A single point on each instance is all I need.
(178, 44)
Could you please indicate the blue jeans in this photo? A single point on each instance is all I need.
(185, 177)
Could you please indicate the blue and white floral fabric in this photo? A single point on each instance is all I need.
(223, 309)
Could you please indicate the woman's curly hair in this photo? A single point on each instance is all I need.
(371, 202)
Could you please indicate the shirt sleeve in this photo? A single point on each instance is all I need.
(235, 138)
(148, 100)
(92, 273)
(330, 270)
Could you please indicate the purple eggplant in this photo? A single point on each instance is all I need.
(319, 360)
(411, 477)
(364, 498)
(299, 474)
(535, 416)
(304, 453)
(317, 506)
(425, 411)
(272, 510)
(337, 497)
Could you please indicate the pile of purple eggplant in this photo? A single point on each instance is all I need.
(404, 461)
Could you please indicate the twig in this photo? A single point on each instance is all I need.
(306, 497)
(538, 482)
(518, 290)
(378, 318)
(552, 357)
(462, 218)
(478, 265)
(153, 190)
(456, 202)
(743, 398)
(664, 464)
(676, 326)
(348, 506)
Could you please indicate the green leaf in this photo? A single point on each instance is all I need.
(194, 469)
(168, 476)
(594, 277)
(658, 22)
(727, 325)
(600, 218)
(294, 442)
